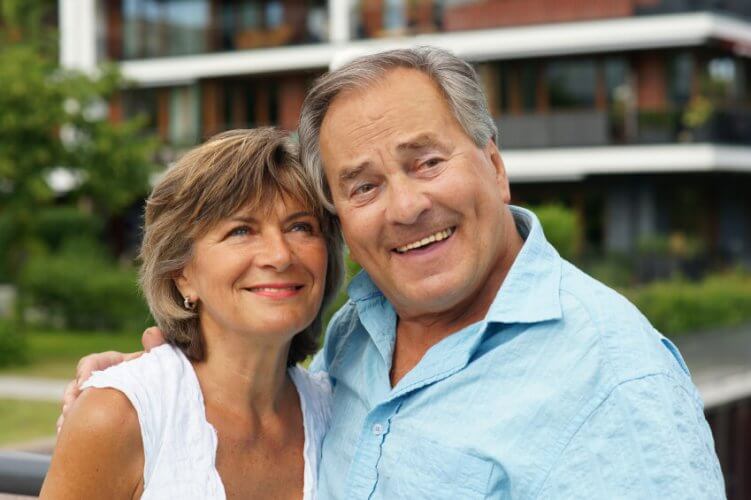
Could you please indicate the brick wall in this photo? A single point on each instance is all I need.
(651, 80)
(502, 13)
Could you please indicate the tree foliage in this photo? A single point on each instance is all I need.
(56, 120)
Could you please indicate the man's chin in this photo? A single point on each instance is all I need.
(429, 297)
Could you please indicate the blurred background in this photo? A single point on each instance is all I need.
(625, 124)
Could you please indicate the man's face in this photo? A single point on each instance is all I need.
(421, 206)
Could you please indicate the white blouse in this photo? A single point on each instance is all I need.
(179, 444)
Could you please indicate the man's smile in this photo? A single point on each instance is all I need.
(426, 241)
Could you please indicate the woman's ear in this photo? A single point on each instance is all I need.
(183, 282)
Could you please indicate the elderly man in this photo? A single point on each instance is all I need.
(471, 360)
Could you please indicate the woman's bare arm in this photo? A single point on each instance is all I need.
(99, 452)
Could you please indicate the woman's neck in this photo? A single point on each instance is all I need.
(243, 375)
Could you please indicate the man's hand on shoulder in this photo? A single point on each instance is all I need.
(151, 338)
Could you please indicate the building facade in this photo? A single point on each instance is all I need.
(637, 113)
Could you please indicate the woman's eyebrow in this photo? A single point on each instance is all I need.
(243, 218)
(300, 214)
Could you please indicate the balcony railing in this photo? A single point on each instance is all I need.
(602, 128)
(155, 28)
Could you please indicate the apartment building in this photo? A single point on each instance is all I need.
(637, 113)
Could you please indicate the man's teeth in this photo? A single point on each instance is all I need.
(441, 235)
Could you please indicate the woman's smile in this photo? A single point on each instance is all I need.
(277, 290)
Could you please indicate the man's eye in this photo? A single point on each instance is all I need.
(363, 189)
(432, 162)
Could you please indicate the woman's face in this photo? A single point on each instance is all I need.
(259, 273)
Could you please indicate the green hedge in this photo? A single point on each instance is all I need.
(560, 226)
(51, 228)
(13, 345)
(54, 226)
(678, 306)
(79, 289)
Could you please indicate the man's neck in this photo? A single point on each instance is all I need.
(416, 334)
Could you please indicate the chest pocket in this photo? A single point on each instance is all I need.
(415, 467)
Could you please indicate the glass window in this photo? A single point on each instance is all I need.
(616, 79)
(184, 115)
(529, 86)
(393, 15)
(504, 96)
(158, 28)
(571, 84)
(141, 102)
(680, 76)
(722, 79)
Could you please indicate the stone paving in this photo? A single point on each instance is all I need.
(37, 389)
(720, 362)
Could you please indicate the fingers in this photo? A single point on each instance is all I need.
(86, 366)
(72, 391)
(94, 362)
(152, 337)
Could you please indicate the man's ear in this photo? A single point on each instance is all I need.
(494, 155)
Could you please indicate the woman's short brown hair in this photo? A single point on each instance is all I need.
(231, 171)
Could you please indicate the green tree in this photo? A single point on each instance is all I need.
(53, 118)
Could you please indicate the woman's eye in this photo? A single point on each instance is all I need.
(239, 231)
(305, 227)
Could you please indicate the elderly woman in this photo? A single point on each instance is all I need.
(239, 258)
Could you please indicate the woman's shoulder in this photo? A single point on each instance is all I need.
(103, 416)
(99, 450)
(153, 384)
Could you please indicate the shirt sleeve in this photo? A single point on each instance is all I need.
(647, 439)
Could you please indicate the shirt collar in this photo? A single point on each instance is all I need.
(530, 292)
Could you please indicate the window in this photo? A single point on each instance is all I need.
(680, 77)
(529, 86)
(571, 84)
(184, 115)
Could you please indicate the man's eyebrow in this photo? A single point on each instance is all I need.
(352, 172)
(421, 141)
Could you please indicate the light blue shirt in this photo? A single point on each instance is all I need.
(564, 390)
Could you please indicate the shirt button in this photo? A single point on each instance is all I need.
(377, 429)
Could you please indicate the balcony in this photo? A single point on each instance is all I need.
(603, 128)
(143, 29)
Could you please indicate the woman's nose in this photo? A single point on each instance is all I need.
(276, 253)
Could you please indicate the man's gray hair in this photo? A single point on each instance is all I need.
(454, 77)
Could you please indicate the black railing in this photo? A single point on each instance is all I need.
(22, 473)
(731, 428)
(603, 128)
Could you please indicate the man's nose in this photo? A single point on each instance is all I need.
(407, 202)
(276, 252)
